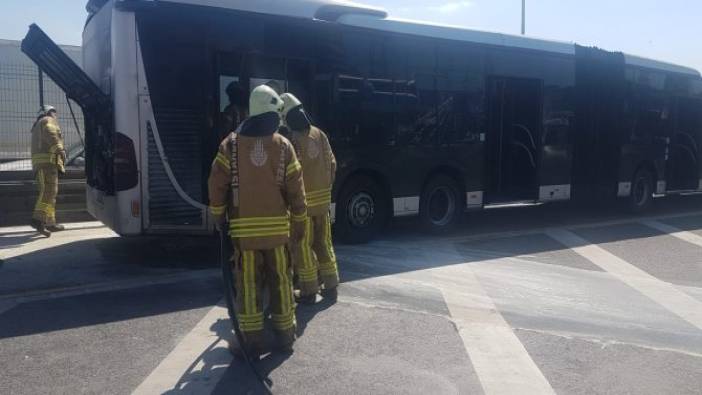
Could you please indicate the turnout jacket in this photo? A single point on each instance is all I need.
(318, 167)
(47, 144)
(256, 181)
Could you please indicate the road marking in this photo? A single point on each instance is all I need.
(661, 292)
(675, 232)
(197, 356)
(499, 358)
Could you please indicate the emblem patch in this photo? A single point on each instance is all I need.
(258, 155)
(313, 149)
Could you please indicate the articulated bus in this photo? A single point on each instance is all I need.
(425, 120)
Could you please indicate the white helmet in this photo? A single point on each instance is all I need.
(290, 102)
(263, 99)
(45, 110)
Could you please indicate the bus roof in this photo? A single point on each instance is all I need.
(328, 10)
(353, 14)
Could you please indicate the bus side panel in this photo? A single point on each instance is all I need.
(127, 208)
(600, 92)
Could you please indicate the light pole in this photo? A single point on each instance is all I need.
(523, 17)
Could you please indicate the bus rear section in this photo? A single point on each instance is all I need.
(639, 129)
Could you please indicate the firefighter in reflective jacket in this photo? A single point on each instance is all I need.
(313, 257)
(48, 159)
(256, 182)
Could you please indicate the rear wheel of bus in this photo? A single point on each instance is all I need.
(441, 205)
(361, 210)
(641, 197)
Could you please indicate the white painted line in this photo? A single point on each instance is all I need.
(499, 358)
(661, 292)
(186, 359)
(675, 232)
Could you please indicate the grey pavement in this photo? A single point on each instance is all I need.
(497, 306)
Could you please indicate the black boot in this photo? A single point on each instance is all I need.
(55, 228)
(39, 226)
(330, 294)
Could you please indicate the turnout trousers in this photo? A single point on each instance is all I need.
(313, 257)
(47, 184)
(255, 271)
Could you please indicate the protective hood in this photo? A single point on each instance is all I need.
(298, 120)
(260, 125)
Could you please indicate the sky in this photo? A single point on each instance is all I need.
(669, 30)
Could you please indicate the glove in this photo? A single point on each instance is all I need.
(298, 230)
(219, 222)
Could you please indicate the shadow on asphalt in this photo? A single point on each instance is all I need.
(236, 377)
(134, 258)
(106, 307)
(501, 233)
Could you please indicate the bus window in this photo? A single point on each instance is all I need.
(224, 81)
(299, 79)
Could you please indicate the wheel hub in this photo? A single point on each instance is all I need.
(361, 209)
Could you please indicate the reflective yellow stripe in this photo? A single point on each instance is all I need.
(329, 268)
(249, 283)
(307, 274)
(222, 160)
(319, 192)
(292, 168)
(249, 227)
(251, 322)
(307, 254)
(300, 217)
(286, 319)
(244, 235)
(260, 220)
(276, 230)
(217, 210)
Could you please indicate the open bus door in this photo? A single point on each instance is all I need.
(81, 89)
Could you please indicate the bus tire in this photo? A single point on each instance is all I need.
(641, 197)
(361, 211)
(441, 205)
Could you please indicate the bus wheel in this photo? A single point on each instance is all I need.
(361, 211)
(641, 192)
(440, 206)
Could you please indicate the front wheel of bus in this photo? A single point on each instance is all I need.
(641, 192)
(441, 206)
(361, 211)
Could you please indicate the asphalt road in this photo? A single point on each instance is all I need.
(532, 300)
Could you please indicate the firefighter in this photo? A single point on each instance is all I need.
(48, 160)
(313, 257)
(256, 182)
